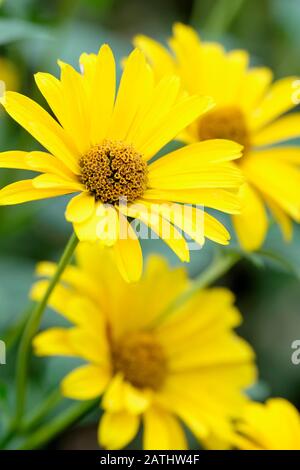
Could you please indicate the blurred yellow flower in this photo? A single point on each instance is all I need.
(271, 426)
(150, 367)
(249, 109)
(8, 75)
(101, 148)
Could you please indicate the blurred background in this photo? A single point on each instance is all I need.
(33, 35)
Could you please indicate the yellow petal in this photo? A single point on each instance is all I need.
(252, 224)
(85, 382)
(113, 399)
(14, 159)
(53, 342)
(195, 156)
(236, 67)
(102, 89)
(87, 66)
(42, 127)
(284, 154)
(277, 101)
(255, 84)
(80, 208)
(219, 199)
(46, 163)
(50, 181)
(77, 121)
(160, 226)
(102, 225)
(159, 57)
(129, 97)
(92, 347)
(58, 300)
(281, 218)
(73, 277)
(51, 89)
(24, 191)
(285, 128)
(214, 230)
(179, 117)
(116, 430)
(213, 62)
(35, 161)
(128, 252)
(223, 175)
(164, 96)
(276, 178)
(136, 401)
(188, 219)
(163, 431)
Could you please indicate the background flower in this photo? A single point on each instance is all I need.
(149, 366)
(274, 425)
(249, 110)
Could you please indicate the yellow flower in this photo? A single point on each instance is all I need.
(271, 426)
(101, 148)
(150, 367)
(249, 109)
(8, 75)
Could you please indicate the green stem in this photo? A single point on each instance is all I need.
(222, 16)
(6, 438)
(219, 266)
(47, 432)
(42, 411)
(31, 329)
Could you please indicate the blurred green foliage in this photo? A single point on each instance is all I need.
(34, 34)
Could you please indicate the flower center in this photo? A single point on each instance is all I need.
(141, 359)
(224, 123)
(112, 171)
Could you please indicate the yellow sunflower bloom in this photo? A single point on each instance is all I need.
(271, 426)
(100, 147)
(249, 109)
(8, 75)
(149, 367)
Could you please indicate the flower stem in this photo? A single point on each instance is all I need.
(223, 16)
(220, 18)
(50, 403)
(219, 266)
(47, 432)
(31, 329)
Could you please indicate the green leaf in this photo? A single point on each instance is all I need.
(12, 30)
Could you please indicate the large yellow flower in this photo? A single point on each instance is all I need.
(101, 147)
(248, 110)
(150, 367)
(271, 426)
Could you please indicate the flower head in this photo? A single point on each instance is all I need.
(149, 367)
(101, 145)
(249, 110)
(274, 425)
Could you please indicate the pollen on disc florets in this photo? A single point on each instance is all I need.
(141, 359)
(227, 122)
(113, 170)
